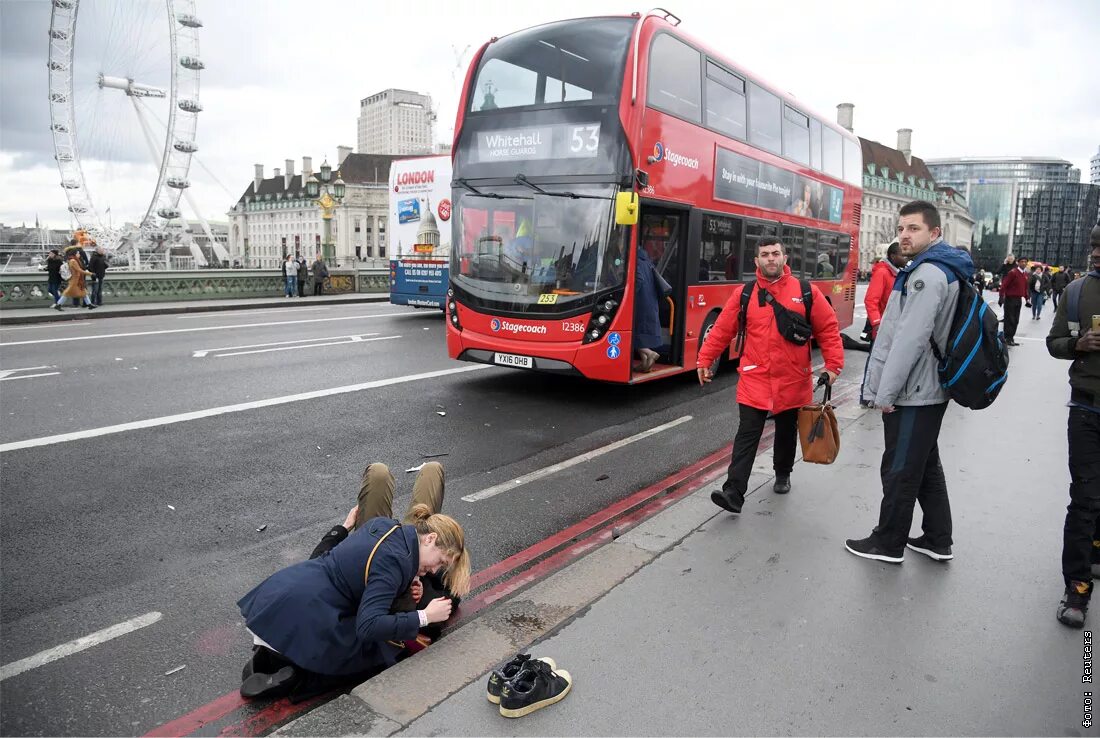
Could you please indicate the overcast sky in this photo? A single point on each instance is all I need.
(283, 79)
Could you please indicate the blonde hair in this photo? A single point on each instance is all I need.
(451, 539)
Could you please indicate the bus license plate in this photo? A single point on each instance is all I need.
(523, 362)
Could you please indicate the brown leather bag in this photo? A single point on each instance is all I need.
(818, 431)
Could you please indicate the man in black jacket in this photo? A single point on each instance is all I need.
(97, 265)
(53, 274)
(1058, 283)
(1081, 345)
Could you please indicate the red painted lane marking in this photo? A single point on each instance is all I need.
(282, 710)
(197, 718)
(271, 716)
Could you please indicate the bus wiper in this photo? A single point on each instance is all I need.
(521, 179)
(494, 195)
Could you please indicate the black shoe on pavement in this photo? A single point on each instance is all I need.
(728, 499)
(1075, 604)
(270, 686)
(869, 548)
(57, 307)
(782, 485)
(535, 687)
(938, 553)
(500, 677)
(92, 307)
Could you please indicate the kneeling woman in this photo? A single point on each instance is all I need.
(333, 617)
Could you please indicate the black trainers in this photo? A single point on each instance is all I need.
(500, 677)
(536, 686)
(728, 499)
(869, 548)
(1075, 604)
(782, 485)
(938, 553)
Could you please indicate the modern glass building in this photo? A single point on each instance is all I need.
(1026, 206)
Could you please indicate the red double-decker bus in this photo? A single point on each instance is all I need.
(580, 142)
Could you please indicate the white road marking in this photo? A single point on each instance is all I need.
(203, 328)
(555, 468)
(311, 345)
(230, 314)
(199, 353)
(80, 644)
(8, 372)
(29, 376)
(227, 409)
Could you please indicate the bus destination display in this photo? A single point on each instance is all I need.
(561, 141)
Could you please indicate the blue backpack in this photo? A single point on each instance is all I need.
(973, 366)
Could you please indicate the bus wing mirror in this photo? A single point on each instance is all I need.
(626, 208)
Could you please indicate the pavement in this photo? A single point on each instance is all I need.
(46, 314)
(697, 622)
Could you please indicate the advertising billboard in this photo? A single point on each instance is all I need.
(420, 230)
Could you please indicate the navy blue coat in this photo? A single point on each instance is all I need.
(650, 290)
(321, 615)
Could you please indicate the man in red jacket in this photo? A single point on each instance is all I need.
(882, 283)
(1013, 292)
(776, 373)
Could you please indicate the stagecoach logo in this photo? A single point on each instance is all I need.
(515, 328)
(662, 153)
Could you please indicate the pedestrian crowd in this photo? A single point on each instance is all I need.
(296, 274)
(76, 276)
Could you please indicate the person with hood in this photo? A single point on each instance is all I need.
(1081, 534)
(776, 373)
(1013, 292)
(97, 265)
(346, 613)
(77, 289)
(882, 282)
(303, 276)
(902, 381)
(320, 274)
(1058, 283)
(650, 290)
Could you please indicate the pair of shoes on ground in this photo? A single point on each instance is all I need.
(870, 548)
(731, 500)
(524, 685)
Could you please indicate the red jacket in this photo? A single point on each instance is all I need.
(1014, 284)
(776, 374)
(878, 292)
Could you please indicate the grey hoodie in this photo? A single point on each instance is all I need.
(902, 368)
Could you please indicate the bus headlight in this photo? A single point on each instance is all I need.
(452, 310)
(606, 307)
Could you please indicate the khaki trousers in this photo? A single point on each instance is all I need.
(376, 491)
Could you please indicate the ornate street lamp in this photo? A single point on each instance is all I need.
(326, 194)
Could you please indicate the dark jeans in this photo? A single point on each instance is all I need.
(97, 292)
(911, 472)
(1037, 300)
(1012, 316)
(1054, 298)
(54, 289)
(745, 444)
(318, 286)
(1083, 512)
(302, 287)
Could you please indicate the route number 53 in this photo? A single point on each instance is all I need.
(585, 140)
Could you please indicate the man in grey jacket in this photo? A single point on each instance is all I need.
(902, 381)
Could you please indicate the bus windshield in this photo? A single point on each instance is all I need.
(579, 61)
(523, 251)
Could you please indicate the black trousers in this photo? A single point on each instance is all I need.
(911, 472)
(318, 287)
(302, 288)
(1054, 295)
(1083, 512)
(1012, 316)
(747, 440)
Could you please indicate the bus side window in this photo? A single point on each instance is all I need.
(720, 249)
(843, 255)
(793, 237)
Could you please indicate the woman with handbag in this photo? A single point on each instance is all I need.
(341, 616)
